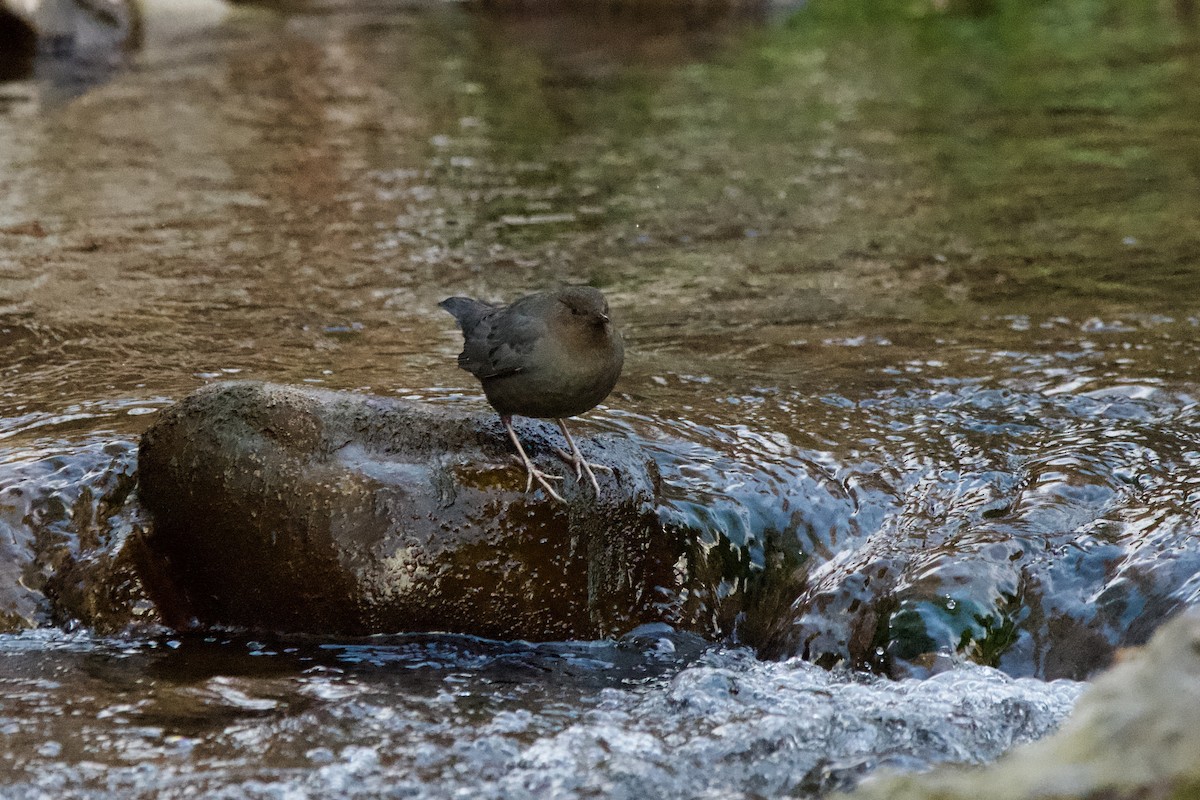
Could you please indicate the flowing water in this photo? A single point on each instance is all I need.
(912, 313)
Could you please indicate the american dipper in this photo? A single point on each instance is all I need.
(548, 355)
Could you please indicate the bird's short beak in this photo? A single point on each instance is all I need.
(604, 318)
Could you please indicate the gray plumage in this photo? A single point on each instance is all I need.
(548, 355)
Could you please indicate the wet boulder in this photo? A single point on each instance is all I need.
(298, 510)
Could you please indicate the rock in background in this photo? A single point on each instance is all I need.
(18, 42)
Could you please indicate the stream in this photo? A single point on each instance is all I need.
(912, 319)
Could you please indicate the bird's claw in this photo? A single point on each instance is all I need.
(582, 465)
(532, 473)
(544, 480)
(579, 462)
(576, 458)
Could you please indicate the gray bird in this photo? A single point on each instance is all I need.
(549, 355)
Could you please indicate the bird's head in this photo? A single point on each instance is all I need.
(584, 305)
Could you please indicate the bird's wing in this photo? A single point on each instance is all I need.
(500, 344)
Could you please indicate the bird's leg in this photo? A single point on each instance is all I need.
(532, 473)
(576, 458)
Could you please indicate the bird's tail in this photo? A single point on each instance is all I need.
(468, 312)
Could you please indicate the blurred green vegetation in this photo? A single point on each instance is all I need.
(942, 157)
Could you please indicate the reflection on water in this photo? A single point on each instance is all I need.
(909, 293)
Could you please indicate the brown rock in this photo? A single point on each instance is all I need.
(299, 510)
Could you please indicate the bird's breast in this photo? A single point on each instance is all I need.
(564, 377)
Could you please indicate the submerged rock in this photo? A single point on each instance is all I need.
(299, 510)
(64, 516)
(1134, 734)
